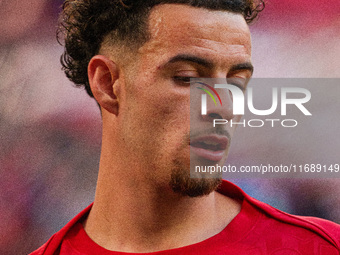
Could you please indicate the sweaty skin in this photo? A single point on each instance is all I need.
(146, 124)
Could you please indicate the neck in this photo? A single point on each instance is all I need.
(138, 219)
(132, 213)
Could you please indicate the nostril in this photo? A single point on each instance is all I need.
(215, 116)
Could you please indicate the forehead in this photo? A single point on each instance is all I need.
(174, 26)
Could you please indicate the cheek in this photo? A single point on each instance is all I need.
(159, 114)
(156, 105)
(170, 113)
(170, 104)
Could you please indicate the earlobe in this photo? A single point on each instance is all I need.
(103, 74)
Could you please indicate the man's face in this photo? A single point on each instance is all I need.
(154, 113)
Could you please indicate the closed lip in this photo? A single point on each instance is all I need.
(211, 147)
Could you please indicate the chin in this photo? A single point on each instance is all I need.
(182, 183)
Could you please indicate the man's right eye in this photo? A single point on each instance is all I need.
(183, 79)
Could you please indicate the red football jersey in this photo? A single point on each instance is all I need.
(257, 229)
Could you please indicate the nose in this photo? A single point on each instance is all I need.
(221, 108)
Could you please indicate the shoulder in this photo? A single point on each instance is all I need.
(330, 228)
(41, 249)
(308, 228)
(53, 244)
(279, 227)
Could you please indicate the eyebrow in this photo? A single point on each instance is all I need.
(209, 64)
(242, 66)
(191, 58)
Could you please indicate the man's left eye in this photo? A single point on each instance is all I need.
(238, 82)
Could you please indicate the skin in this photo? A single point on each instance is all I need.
(145, 105)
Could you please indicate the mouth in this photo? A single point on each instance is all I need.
(210, 147)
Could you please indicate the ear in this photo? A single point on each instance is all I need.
(103, 74)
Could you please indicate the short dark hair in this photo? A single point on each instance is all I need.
(85, 23)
